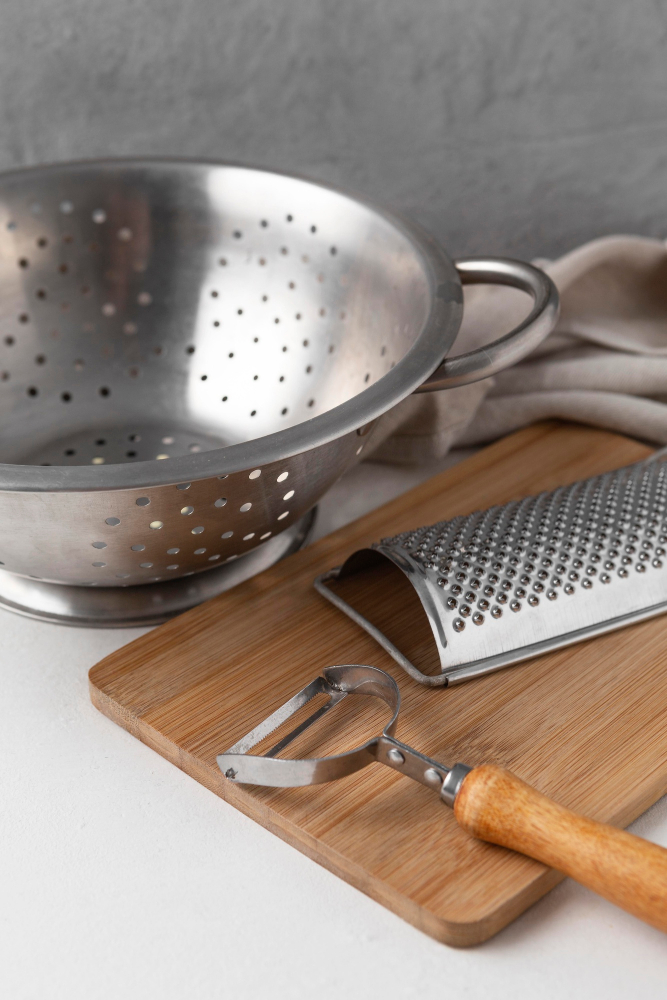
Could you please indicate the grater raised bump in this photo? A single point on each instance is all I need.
(501, 585)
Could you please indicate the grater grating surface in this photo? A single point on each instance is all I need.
(503, 584)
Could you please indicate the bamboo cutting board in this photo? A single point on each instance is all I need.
(586, 725)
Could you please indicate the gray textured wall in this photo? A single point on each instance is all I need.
(521, 126)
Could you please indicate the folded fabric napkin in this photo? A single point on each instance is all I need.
(605, 364)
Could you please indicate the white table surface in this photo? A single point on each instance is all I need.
(122, 877)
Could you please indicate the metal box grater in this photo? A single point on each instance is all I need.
(505, 584)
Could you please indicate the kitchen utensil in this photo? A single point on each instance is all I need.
(192, 353)
(502, 585)
(489, 802)
(586, 725)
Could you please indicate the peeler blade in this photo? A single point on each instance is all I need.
(337, 682)
(277, 718)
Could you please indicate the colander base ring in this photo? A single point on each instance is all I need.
(149, 604)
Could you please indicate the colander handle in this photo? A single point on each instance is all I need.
(513, 346)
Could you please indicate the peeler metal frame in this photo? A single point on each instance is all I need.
(337, 682)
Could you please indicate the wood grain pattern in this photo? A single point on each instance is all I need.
(586, 725)
(498, 807)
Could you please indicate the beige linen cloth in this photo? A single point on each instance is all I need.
(605, 364)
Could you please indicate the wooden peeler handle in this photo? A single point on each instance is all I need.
(496, 806)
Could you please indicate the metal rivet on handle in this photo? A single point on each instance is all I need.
(432, 777)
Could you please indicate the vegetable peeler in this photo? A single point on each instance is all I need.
(489, 802)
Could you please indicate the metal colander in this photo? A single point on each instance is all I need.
(191, 354)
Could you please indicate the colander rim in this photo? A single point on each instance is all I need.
(429, 349)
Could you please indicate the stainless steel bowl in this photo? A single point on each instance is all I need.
(191, 354)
